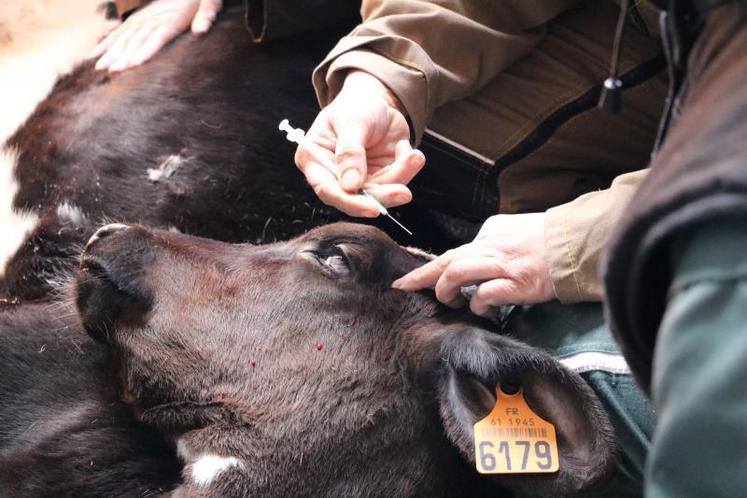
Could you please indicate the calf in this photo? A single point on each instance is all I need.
(188, 141)
(290, 369)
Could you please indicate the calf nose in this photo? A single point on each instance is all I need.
(105, 231)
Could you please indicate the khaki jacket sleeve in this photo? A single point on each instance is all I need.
(429, 53)
(576, 233)
(273, 19)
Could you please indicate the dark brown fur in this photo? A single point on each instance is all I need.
(64, 429)
(215, 101)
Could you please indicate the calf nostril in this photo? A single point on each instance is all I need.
(105, 231)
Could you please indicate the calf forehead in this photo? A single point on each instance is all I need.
(387, 260)
(374, 258)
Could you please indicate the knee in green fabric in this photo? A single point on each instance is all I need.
(700, 364)
(577, 336)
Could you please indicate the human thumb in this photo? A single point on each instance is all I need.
(350, 156)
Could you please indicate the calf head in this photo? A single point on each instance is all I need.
(295, 369)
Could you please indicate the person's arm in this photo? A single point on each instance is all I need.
(576, 233)
(431, 53)
(405, 59)
(273, 19)
(530, 258)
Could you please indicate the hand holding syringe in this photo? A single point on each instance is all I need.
(298, 136)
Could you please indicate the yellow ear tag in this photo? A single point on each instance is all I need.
(513, 439)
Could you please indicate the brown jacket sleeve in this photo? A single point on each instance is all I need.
(126, 6)
(272, 19)
(576, 234)
(430, 53)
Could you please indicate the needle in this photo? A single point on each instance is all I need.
(297, 135)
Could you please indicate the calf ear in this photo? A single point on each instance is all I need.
(476, 362)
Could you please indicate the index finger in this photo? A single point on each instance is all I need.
(465, 272)
(329, 191)
(426, 275)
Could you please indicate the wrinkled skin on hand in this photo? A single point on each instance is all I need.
(146, 31)
(365, 135)
(506, 261)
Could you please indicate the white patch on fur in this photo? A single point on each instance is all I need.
(174, 229)
(104, 231)
(15, 225)
(182, 451)
(206, 468)
(39, 42)
(72, 213)
(167, 168)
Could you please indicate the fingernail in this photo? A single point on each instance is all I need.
(200, 26)
(404, 283)
(350, 179)
(401, 198)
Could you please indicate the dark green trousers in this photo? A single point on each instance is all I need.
(697, 443)
(577, 336)
(699, 386)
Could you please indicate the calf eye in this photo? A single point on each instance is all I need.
(337, 264)
(333, 260)
(336, 260)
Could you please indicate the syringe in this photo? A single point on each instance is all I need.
(298, 136)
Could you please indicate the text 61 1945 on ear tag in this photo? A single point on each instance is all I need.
(513, 439)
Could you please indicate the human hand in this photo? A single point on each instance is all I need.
(147, 30)
(506, 261)
(365, 135)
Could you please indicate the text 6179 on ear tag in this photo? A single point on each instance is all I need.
(513, 439)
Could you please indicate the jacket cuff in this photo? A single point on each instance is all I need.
(576, 235)
(409, 82)
(573, 253)
(125, 7)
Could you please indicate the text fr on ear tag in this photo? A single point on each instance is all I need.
(513, 439)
